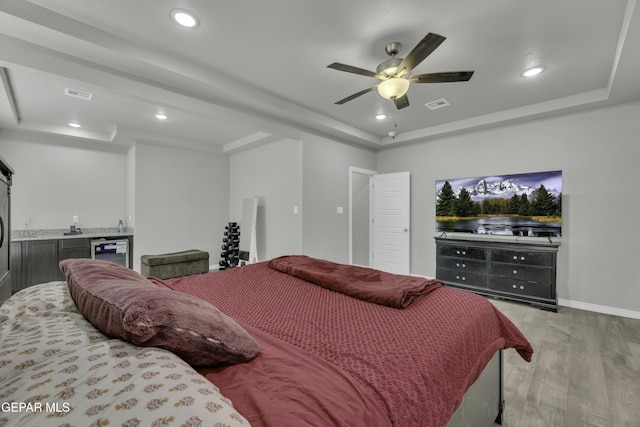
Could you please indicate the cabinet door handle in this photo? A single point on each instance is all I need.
(1, 232)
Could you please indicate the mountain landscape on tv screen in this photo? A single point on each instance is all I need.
(520, 204)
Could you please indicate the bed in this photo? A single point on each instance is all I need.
(295, 350)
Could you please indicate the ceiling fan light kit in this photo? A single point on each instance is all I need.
(394, 73)
(393, 88)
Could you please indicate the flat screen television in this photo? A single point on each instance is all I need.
(526, 204)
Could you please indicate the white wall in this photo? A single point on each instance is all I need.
(598, 153)
(273, 174)
(181, 201)
(326, 187)
(53, 183)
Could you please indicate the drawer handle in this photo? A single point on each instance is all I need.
(515, 257)
(521, 286)
(514, 286)
(460, 265)
(464, 278)
(515, 271)
(464, 252)
(522, 258)
(457, 252)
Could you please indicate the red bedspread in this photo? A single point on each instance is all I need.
(413, 365)
(364, 283)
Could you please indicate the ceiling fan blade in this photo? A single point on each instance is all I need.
(355, 95)
(454, 76)
(423, 49)
(351, 69)
(401, 102)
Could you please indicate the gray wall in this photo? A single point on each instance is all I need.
(181, 201)
(312, 174)
(55, 182)
(176, 199)
(273, 174)
(598, 153)
(326, 187)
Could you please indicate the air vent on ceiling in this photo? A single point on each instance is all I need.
(438, 103)
(75, 93)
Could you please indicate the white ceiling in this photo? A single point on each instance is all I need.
(254, 71)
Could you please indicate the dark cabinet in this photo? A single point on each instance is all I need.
(16, 267)
(74, 248)
(5, 230)
(39, 262)
(518, 271)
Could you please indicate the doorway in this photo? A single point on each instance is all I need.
(360, 216)
(384, 244)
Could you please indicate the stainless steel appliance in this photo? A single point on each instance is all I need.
(116, 251)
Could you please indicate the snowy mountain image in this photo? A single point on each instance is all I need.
(501, 189)
(506, 186)
(528, 204)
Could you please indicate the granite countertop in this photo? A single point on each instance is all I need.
(58, 233)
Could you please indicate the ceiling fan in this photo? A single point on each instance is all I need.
(394, 74)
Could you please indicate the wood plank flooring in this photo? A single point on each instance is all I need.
(585, 369)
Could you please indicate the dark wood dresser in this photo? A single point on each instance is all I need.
(5, 230)
(517, 270)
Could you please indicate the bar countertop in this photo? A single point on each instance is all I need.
(59, 233)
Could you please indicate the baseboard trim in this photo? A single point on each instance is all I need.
(599, 308)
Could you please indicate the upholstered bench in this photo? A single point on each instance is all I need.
(166, 266)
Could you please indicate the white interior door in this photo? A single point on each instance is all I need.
(391, 220)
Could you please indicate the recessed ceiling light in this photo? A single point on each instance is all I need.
(75, 125)
(532, 71)
(184, 18)
(161, 116)
(381, 116)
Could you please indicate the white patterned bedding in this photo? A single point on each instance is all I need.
(56, 369)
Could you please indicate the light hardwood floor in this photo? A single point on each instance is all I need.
(585, 369)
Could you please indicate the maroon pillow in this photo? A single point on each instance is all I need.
(123, 304)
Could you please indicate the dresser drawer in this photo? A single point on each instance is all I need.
(522, 272)
(462, 252)
(520, 287)
(522, 257)
(463, 265)
(466, 278)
